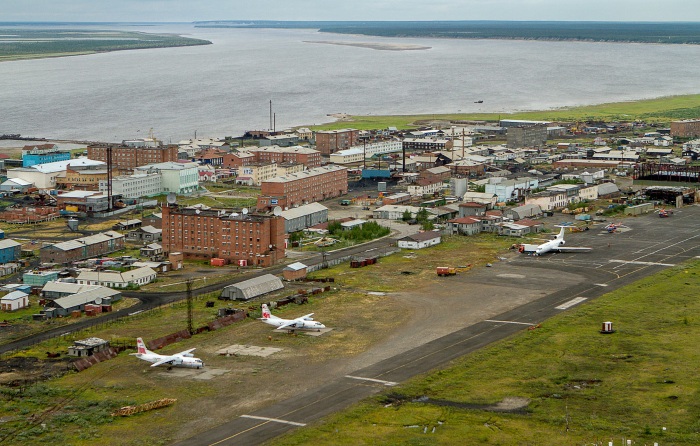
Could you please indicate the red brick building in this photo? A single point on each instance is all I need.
(237, 159)
(301, 188)
(250, 239)
(125, 159)
(296, 154)
(330, 141)
(686, 129)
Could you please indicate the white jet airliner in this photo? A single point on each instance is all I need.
(300, 323)
(556, 245)
(182, 359)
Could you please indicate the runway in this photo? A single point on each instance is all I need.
(649, 245)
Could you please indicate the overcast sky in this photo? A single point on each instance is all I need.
(191, 10)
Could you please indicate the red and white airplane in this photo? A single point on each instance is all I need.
(301, 323)
(182, 359)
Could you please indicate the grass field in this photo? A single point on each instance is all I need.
(662, 110)
(640, 383)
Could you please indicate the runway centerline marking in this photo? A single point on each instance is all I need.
(509, 322)
(571, 303)
(380, 381)
(276, 420)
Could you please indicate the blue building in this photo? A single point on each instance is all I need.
(43, 153)
(10, 250)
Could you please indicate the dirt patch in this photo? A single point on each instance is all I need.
(18, 371)
(513, 404)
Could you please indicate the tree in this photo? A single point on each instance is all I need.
(422, 215)
(427, 225)
(406, 215)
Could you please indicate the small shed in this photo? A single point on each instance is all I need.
(14, 300)
(177, 259)
(151, 250)
(88, 347)
(127, 224)
(524, 211)
(420, 240)
(294, 271)
(145, 234)
(251, 288)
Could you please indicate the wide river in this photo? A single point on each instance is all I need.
(225, 88)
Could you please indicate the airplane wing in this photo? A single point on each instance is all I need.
(306, 317)
(185, 352)
(571, 249)
(164, 360)
(286, 324)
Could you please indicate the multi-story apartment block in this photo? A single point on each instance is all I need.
(238, 159)
(296, 154)
(180, 178)
(689, 128)
(258, 172)
(304, 187)
(245, 239)
(138, 185)
(360, 152)
(330, 141)
(426, 144)
(82, 248)
(43, 153)
(126, 159)
(527, 136)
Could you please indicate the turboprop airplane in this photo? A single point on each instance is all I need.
(301, 323)
(556, 245)
(182, 359)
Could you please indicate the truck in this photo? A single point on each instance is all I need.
(443, 271)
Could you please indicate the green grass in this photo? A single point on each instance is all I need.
(663, 109)
(583, 387)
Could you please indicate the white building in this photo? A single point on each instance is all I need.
(180, 178)
(136, 185)
(395, 212)
(360, 152)
(420, 240)
(14, 300)
(428, 189)
(507, 190)
(116, 279)
(44, 175)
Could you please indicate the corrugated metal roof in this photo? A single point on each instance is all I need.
(86, 297)
(295, 266)
(8, 243)
(257, 286)
(89, 240)
(66, 287)
(14, 295)
(302, 211)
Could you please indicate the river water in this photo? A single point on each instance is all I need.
(225, 88)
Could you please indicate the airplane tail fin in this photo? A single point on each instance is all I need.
(561, 233)
(266, 312)
(141, 346)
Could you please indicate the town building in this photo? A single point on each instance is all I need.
(256, 173)
(14, 300)
(97, 295)
(237, 159)
(244, 239)
(302, 217)
(283, 140)
(548, 200)
(126, 158)
(295, 154)
(146, 184)
(395, 211)
(524, 211)
(463, 226)
(361, 152)
(689, 128)
(39, 278)
(42, 154)
(251, 288)
(526, 136)
(81, 179)
(179, 178)
(144, 234)
(330, 141)
(83, 201)
(82, 248)
(16, 185)
(115, 279)
(508, 190)
(88, 347)
(294, 271)
(10, 250)
(44, 176)
(420, 240)
(426, 144)
(302, 188)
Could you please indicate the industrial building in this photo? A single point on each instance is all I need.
(248, 289)
(297, 219)
(82, 248)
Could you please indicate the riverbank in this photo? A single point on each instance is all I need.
(657, 110)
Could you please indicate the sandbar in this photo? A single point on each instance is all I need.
(374, 45)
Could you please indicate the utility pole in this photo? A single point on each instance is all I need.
(190, 327)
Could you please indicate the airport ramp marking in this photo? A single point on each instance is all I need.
(571, 303)
(276, 420)
(633, 262)
(600, 284)
(509, 322)
(386, 383)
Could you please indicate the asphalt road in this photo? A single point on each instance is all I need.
(645, 246)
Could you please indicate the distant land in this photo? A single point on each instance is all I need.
(36, 43)
(637, 32)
